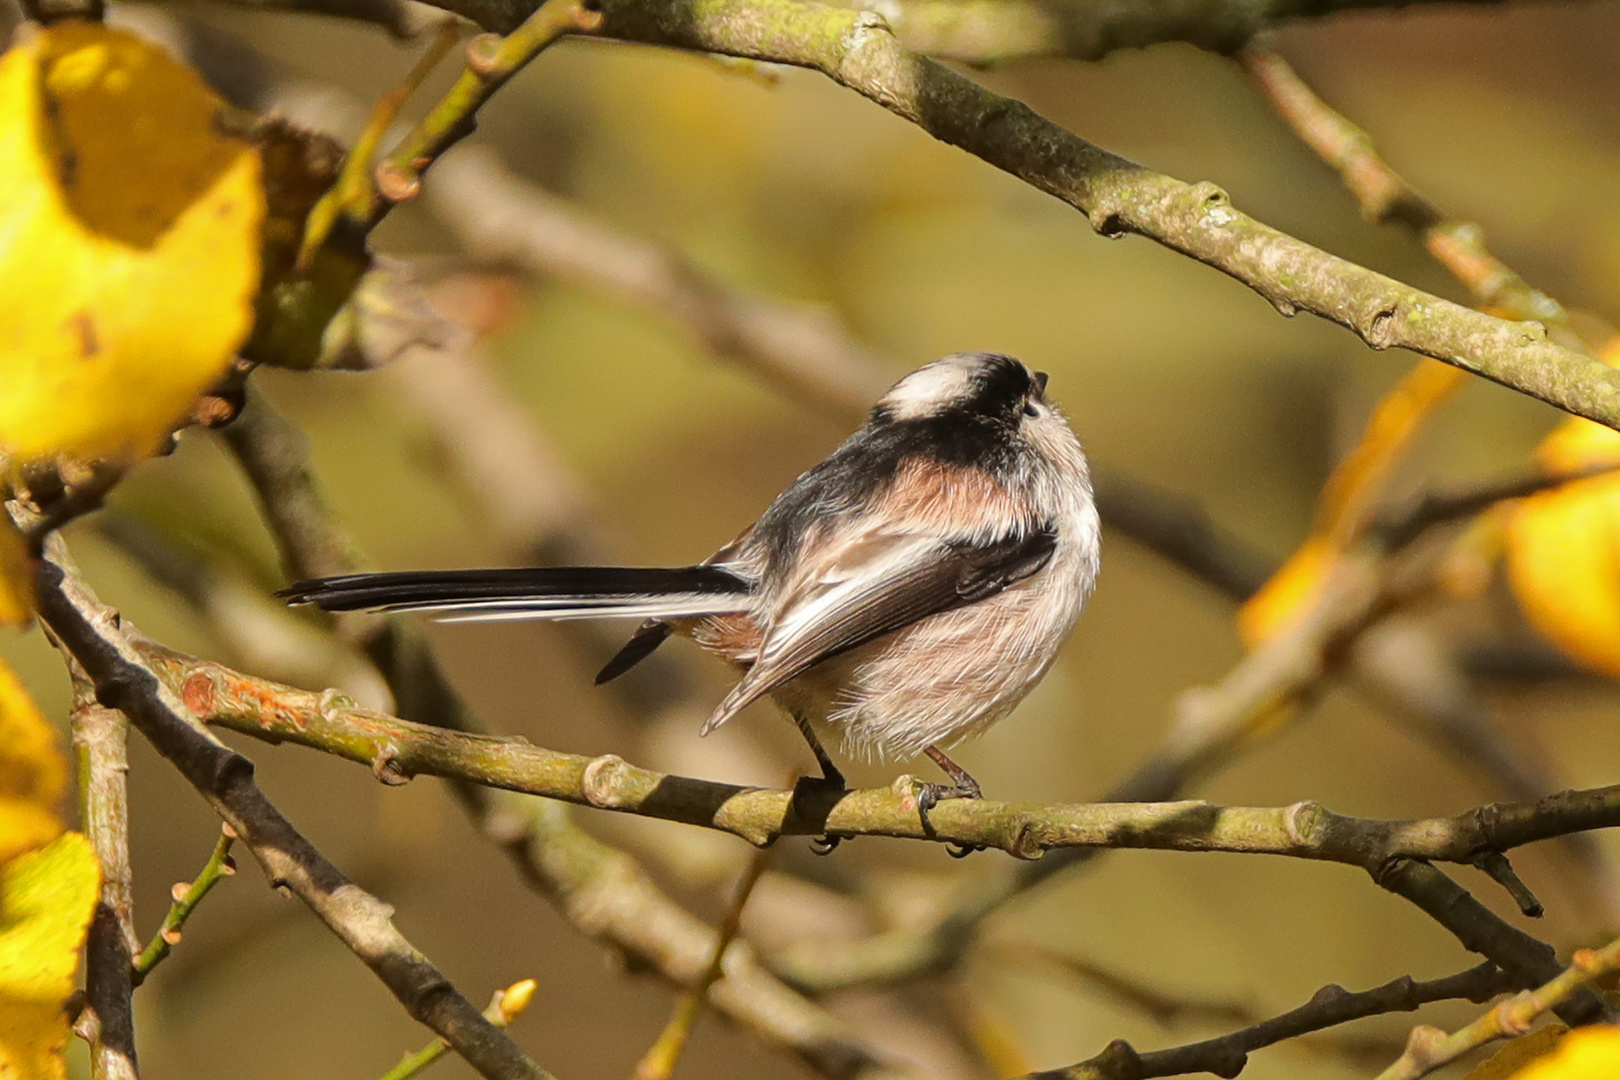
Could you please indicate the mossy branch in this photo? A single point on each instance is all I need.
(1117, 196)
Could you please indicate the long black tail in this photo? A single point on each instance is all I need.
(551, 592)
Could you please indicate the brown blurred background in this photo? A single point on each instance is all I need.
(1171, 373)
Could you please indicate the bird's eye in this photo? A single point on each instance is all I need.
(1030, 409)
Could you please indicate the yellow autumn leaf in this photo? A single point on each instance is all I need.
(1288, 592)
(32, 772)
(46, 899)
(1563, 546)
(129, 242)
(1518, 1053)
(1589, 1053)
(16, 575)
(1348, 499)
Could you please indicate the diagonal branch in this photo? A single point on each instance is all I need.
(1429, 1048)
(857, 50)
(1385, 197)
(990, 31)
(1328, 1007)
(91, 633)
(796, 348)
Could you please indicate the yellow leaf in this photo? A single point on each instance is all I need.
(129, 240)
(46, 899)
(1563, 546)
(1518, 1053)
(16, 575)
(1348, 498)
(32, 772)
(1590, 1053)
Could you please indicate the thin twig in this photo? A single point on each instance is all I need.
(985, 32)
(185, 896)
(353, 195)
(1386, 197)
(1433, 509)
(1429, 1048)
(801, 349)
(1162, 1007)
(659, 1060)
(1332, 1005)
(397, 750)
(507, 1005)
(491, 61)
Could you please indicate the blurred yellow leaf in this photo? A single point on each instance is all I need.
(1289, 591)
(16, 575)
(46, 899)
(1590, 1053)
(1563, 546)
(1347, 499)
(1518, 1053)
(129, 242)
(32, 772)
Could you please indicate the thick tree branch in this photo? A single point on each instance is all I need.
(1394, 853)
(397, 750)
(91, 633)
(100, 738)
(858, 51)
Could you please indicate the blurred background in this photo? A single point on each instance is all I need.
(779, 182)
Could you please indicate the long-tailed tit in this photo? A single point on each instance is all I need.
(905, 593)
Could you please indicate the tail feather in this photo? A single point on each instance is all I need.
(642, 644)
(563, 592)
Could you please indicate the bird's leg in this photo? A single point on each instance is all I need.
(962, 786)
(829, 772)
(831, 778)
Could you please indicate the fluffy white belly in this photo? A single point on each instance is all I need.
(944, 678)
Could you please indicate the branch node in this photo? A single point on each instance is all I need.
(200, 694)
(1380, 329)
(1028, 843)
(1108, 222)
(396, 184)
(1119, 1061)
(1422, 1044)
(1328, 994)
(385, 765)
(484, 56)
(602, 782)
(588, 17)
(1301, 820)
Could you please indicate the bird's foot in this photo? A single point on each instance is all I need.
(931, 795)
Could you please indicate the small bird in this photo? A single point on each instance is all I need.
(905, 593)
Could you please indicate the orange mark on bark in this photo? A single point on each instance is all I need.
(199, 694)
